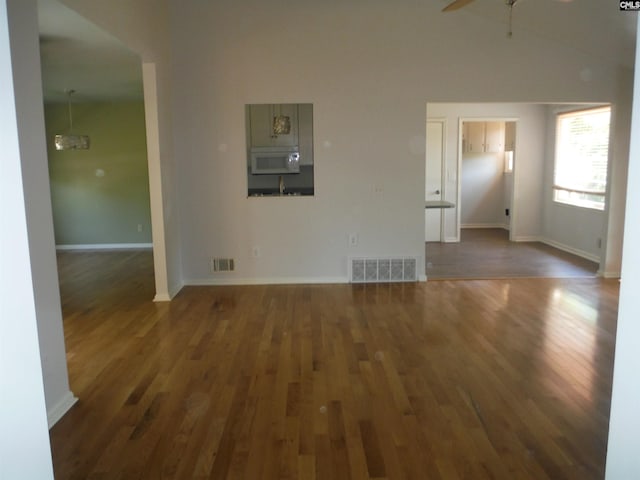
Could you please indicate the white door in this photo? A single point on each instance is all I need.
(433, 180)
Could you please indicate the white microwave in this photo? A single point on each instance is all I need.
(271, 161)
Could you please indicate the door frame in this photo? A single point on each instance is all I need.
(156, 194)
(513, 207)
(443, 165)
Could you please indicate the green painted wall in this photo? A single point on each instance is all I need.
(100, 195)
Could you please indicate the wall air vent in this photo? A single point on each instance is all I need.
(221, 265)
(382, 270)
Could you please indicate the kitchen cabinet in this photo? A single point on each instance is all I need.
(261, 125)
(473, 137)
(483, 137)
(494, 137)
(510, 136)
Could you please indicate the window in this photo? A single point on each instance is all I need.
(508, 161)
(582, 151)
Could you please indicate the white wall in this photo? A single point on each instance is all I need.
(27, 303)
(100, 195)
(28, 89)
(368, 70)
(575, 229)
(623, 461)
(610, 265)
(482, 190)
(507, 187)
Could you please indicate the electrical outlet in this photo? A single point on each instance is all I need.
(353, 239)
(139, 227)
(255, 252)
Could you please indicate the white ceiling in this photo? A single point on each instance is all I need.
(75, 54)
(78, 55)
(593, 27)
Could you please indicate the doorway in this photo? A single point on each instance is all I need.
(533, 214)
(134, 214)
(486, 164)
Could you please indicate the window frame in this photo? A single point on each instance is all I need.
(557, 188)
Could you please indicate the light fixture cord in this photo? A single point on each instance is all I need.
(69, 93)
(70, 117)
(510, 32)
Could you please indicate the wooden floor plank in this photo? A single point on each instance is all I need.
(488, 253)
(497, 379)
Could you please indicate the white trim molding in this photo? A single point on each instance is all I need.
(267, 281)
(527, 238)
(106, 246)
(162, 297)
(560, 246)
(617, 275)
(168, 296)
(56, 412)
(572, 250)
(504, 226)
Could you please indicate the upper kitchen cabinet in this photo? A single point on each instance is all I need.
(494, 137)
(510, 136)
(483, 137)
(473, 137)
(273, 125)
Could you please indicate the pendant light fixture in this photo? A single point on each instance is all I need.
(71, 141)
(281, 123)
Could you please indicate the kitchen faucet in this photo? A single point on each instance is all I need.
(281, 185)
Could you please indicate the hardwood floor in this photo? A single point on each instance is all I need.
(488, 253)
(482, 379)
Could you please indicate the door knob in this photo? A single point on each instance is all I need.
(437, 192)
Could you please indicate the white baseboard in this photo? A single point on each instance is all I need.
(56, 412)
(527, 238)
(267, 281)
(106, 246)
(560, 246)
(162, 297)
(485, 225)
(572, 250)
(168, 296)
(451, 240)
(610, 274)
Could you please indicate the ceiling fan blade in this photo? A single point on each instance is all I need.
(456, 4)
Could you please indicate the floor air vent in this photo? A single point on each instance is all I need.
(376, 270)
